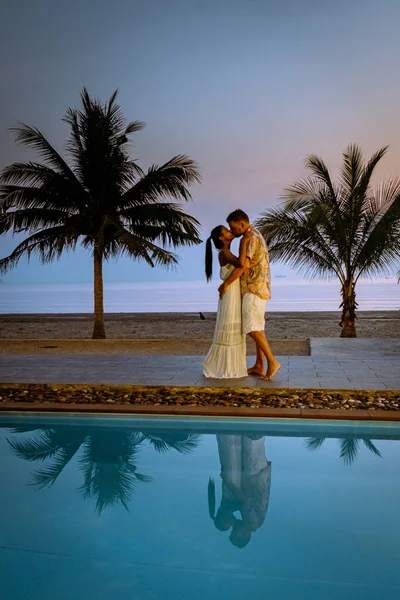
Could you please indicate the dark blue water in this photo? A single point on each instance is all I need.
(102, 508)
(188, 296)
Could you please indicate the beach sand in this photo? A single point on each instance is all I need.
(163, 326)
(176, 333)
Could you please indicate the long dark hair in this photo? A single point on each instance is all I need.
(214, 237)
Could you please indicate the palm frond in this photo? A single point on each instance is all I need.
(134, 127)
(365, 180)
(371, 447)
(48, 475)
(29, 185)
(48, 244)
(139, 248)
(303, 194)
(352, 168)
(27, 174)
(57, 445)
(165, 221)
(33, 138)
(38, 447)
(30, 219)
(24, 429)
(183, 444)
(314, 443)
(159, 445)
(171, 180)
(349, 448)
(320, 171)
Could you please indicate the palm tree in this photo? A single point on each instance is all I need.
(346, 229)
(98, 197)
(107, 458)
(349, 447)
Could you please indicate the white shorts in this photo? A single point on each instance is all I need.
(253, 313)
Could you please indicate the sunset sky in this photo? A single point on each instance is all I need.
(247, 88)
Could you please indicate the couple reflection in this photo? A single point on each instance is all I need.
(246, 482)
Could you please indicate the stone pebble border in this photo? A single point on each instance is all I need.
(337, 404)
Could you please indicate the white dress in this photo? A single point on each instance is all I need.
(246, 475)
(226, 359)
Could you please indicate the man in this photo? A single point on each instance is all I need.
(246, 483)
(255, 284)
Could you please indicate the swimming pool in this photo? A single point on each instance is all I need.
(159, 508)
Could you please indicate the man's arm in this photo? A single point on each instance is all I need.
(243, 251)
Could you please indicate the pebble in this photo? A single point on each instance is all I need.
(316, 399)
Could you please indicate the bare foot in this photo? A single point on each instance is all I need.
(273, 368)
(256, 371)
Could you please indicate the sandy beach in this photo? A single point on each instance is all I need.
(189, 326)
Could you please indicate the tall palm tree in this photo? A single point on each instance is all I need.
(107, 459)
(344, 229)
(349, 447)
(97, 196)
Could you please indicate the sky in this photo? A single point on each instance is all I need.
(247, 88)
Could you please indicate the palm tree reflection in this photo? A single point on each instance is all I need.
(246, 482)
(107, 457)
(349, 447)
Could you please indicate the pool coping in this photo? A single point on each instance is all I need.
(204, 411)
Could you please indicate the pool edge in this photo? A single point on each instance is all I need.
(204, 411)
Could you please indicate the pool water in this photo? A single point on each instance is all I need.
(149, 508)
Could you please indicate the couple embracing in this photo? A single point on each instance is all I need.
(243, 293)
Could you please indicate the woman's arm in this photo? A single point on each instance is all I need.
(228, 258)
(243, 264)
(236, 274)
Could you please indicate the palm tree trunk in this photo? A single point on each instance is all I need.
(348, 306)
(98, 327)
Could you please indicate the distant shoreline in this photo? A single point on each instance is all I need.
(190, 314)
(189, 325)
(178, 298)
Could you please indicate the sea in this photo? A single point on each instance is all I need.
(288, 295)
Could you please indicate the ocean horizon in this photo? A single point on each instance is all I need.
(288, 295)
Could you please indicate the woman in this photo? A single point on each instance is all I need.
(246, 483)
(227, 356)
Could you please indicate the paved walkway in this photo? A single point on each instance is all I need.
(333, 364)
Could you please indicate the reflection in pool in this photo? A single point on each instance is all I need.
(246, 482)
(224, 508)
(107, 457)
